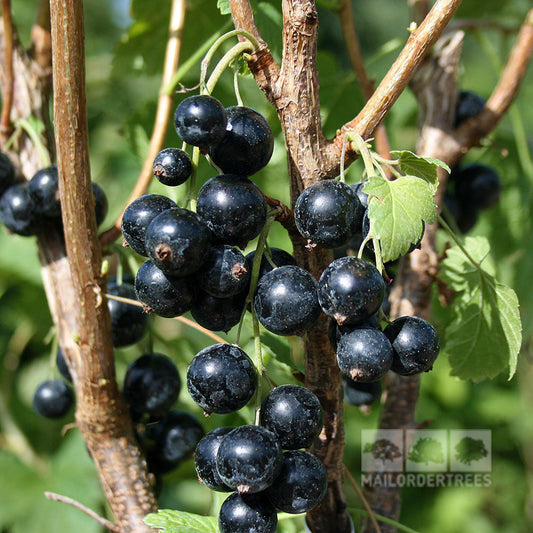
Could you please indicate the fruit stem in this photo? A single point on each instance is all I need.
(361, 148)
(259, 365)
(190, 201)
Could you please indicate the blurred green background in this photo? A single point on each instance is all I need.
(125, 45)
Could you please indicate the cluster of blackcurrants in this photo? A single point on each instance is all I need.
(474, 187)
(30, 207)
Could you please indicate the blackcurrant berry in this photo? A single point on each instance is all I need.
(358, 394)
(151, 384)
(294, 414)
(247, 513)
(137, 218)
(172, 166)
(469, 104)
(62, 366)
(477, 186)
(100, 203)
(364, 354)
(286, 301)
(271, 258)
(7, 173)
(177, 241)
(301, 483)
(350, 290)
(221, 378)
(233, 208)
(205, 459)
(249, 459)
(53, 398)
(17, 211)
(363, 196)
(200, 120)
(415, 345)
(218, 314)
(128, 322)
(224, 271)
(175, 438)
(247, 144)
(328, 213)
(43, 189)
(162, 294)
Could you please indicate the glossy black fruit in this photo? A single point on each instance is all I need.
(218, 314)
(138, 216)
(364, 354)
(477, 186)
(205, 459)
(7, 173)
(350, 290)
(294, 414)
(250, 513)
(17, 211)
(128, 322)
(415, 345)
(53, 398)
(100, 203)
(233, 208)
(175, 438)
(249, 459)
(301, 483)
(363, 196)
(358, 394)
(177, 241)
(200, 120)
(172, 166)
(335, 332)
(62, 365)
(152, 384)
(328, 213)
(247, 144)
(469, 104)
(224, 271)
(221, 378)
(271, 258)
(286, 301)
(44, 192)
(162, 294)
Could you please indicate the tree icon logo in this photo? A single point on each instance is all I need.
(427, 450)
(469, 450)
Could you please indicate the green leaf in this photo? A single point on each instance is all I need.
(486, 335)
(397, 210)
(170, 521)
(280, 348)
(423, 167)
(223, 5)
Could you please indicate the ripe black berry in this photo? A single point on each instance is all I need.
(200, 120)
(152, 384)
(469, 104)
(7, 173)
(357, 394)
(205, 459)
(233, 208)
(177, 241)
(350, 290)
(17, 211)
(162, 294)
(62, 366)
(218, 314)
(415, 345)
(477, 186)
(286, 301)
(44, 192)
(137, 218)
(175, 438)
(249, 459)
(358, 189)
(271, 258)
(221, 378)
(247, 513)
(294, 414)
(100, 203)
(224, 271)
(128, 322)
(328, 213)
(172, 166)
(53, 398)
(364, 354)
(247, 144)
(301, 483)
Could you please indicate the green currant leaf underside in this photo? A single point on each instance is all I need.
(170, 521)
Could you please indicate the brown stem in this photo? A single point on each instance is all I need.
(41, 49)
(101, 413)
(165, 105)
(6, 128)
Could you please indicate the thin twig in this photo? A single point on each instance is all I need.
(364, 501)
(164, 110)
(6, 128)
(69, 501)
